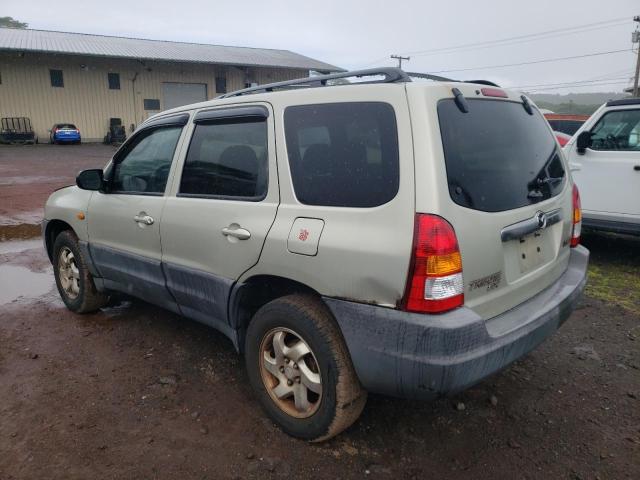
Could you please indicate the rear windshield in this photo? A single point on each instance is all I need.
(498, 157)
(66, 126)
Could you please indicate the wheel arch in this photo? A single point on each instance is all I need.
(250, 295)
(52, 230)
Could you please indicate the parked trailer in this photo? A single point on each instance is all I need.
(17, 130)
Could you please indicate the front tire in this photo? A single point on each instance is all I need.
(300, 368)
(75, 283)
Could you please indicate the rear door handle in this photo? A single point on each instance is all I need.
(143, 218)
(637, 168)
(235, 230)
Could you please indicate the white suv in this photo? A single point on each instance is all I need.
(604, 156)
(390, 236)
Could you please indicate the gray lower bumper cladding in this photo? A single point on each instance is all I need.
(424, 356)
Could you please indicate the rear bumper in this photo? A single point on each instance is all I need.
(616, 226)
(425, 356)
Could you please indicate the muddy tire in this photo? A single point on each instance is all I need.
(75, 283)
(300, 368)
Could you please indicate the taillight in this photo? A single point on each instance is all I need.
(577, 218)
(55, 130)
(494, 92)
(435, 284)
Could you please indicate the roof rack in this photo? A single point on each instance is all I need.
(623, 101)
(438, 78)
(391, 75)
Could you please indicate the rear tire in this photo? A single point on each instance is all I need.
(75, 283)
(289, 391)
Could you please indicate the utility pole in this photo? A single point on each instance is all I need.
(400, 58)
(636, 39)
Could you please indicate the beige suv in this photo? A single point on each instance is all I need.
(398, 237)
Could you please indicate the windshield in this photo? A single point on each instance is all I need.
(498, 157)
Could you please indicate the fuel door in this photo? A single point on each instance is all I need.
(305, 236)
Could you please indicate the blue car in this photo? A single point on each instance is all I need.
(64, 133)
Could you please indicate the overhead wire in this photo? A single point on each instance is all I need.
(512, 40)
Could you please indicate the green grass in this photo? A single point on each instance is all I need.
(614, 270)
(615, 284)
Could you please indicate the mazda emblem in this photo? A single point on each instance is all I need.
(541, 217)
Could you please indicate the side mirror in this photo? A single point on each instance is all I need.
(583, 142)
(92, 179)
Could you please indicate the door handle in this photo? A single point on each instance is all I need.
(143, 218)
(234, 230)
(637, 168)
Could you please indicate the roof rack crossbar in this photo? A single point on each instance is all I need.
(391, 75)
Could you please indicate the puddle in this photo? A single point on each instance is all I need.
(17, 246)
(16, 282)
(33, 217)
(31, 179)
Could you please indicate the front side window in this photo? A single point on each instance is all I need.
(343, 154)
(144, 168)
(227, 159)
(617, 130)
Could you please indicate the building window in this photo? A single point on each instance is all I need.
(151, 104)
(56, 78)
(114, 81)
(221, 85)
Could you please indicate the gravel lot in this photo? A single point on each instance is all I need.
(136, 392)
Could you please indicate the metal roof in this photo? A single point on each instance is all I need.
(135, 48)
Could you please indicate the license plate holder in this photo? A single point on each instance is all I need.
(530, 252)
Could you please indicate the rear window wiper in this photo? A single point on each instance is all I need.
(543, 180)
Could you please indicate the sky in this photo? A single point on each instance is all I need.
(359, 33)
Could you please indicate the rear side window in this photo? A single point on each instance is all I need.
(343, 154)
(498, 157)
(227, 159)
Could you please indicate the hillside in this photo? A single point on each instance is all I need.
(576, 103)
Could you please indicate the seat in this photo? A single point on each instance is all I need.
(239, 171)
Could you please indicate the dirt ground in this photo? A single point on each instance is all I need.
(136, 392)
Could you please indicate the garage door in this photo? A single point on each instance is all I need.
(178, 94)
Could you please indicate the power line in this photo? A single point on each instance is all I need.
(546, 60)
(517, 39)
(400, 58)
(625, 82)
(527, 37)
(626, 77)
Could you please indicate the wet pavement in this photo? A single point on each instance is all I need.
(29, 173)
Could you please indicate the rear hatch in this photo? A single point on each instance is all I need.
(499, 177)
